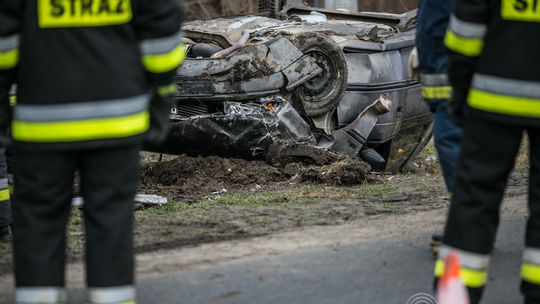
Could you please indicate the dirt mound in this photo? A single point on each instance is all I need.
(193, 178)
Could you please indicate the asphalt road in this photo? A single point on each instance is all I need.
(373, 272)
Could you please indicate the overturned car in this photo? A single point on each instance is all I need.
(318, 77)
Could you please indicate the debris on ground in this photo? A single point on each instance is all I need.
(349, 171)
(141, 201)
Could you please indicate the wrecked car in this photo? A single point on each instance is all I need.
(324, 78)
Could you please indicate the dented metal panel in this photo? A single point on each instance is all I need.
(300, 71)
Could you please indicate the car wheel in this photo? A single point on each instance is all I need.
(322, 93)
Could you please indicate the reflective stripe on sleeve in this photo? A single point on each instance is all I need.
(13, 95)
(464, 37)
(9, 52)
(434, 79)
(471, 47)
(435, 86)
(4, 190)
(4, 195)
(530, 269)
(160, 45)
(466, 28)
(83, 121)
(4, 183)
(122, 294)
(163, 54)
(441, 92)
(40, 295)
(473, 267)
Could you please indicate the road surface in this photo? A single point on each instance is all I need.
(370, 272)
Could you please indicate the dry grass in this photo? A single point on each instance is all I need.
(427, 162)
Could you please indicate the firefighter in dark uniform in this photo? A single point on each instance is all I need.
(433, 16)
(94, 79)
(494, 71)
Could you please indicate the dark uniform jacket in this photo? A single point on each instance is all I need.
(495, 58)
(85, 69)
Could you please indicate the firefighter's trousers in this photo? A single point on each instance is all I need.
(5, 209)
(41, 212)
(487, 157)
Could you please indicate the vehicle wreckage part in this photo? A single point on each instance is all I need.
(326, 122)
(322, 93)
(373, 158)
(255, 70)
(422, 142)
(243, 131)
(351, 139)
(283, 154)
(228, 51)
(300, 71)
(203, 50)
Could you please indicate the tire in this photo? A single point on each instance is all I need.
(322, 93)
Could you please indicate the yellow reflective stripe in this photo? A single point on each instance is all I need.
(439, 268)
(438, 92)
(471, 47)
(469, 277)
(504, 104)
(9, 59)
(66, 131)
(530, 273)
(4, 195)
(160, 63)
(12, 100)
(473, 278)
(167, 90)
